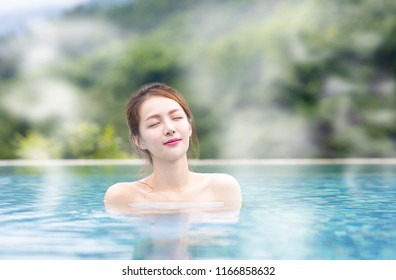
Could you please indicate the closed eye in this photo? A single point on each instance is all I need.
(153, 125)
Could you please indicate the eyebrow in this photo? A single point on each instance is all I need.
(154, 116)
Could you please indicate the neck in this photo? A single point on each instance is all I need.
(170, 176)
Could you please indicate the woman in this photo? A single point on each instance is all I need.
(162, 129)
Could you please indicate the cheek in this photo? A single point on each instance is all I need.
(146, 137)
(186, 128)
(142, 138)
(149, 136)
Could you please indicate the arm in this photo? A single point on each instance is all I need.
(117, 197)
(124, 192)
(226, 188)
(115, 193)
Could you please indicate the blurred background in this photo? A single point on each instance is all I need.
(264, 79)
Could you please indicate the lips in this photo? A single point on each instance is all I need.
(172, 141)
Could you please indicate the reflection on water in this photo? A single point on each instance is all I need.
(180, 230)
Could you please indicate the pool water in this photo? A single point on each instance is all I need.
(292, 212)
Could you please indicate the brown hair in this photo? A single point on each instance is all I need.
(133, 117)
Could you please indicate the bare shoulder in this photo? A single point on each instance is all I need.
(225, 187)
(121, 192)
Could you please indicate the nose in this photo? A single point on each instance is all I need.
(169, 132)
(169, 129)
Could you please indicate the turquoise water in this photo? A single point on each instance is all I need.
(289, 212)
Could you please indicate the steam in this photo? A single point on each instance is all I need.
(41, 92)
(257, 62)
(281, 132)
(221, 63)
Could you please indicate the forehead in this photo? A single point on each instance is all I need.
(157, 105)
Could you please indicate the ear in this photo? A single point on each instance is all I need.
(135, 139)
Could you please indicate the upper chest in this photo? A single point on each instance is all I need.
(199, 190)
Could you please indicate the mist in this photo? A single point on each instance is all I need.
(261, 77)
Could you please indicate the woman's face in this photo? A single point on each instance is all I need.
(164, 129)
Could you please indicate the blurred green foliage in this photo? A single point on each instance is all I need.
(36, 146)
(85, 140)
(264, 79)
